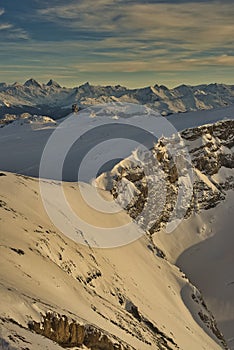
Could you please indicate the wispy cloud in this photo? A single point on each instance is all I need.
(223, 60)
(85, 14)
(132, 59)
(163, 64)
(18, 33)
(143, 31)
(89, 37)
(192, 23)
(4, 26)
(11, 31)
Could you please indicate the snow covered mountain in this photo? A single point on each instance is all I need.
(56, 293)
(53, 100)
(209, 165)
(22, 139)
(200, 245)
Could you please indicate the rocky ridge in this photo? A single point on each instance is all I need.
(195, 165)
(56, 101)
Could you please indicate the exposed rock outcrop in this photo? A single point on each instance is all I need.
(183, 174)
(69, 333)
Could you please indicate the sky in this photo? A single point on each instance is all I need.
(129, 42)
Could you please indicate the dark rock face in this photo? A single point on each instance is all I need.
(32, 83)
(95, 340)
(163, 341)
(69, 333)
(215, 149)
(207, 148)
(60, 330)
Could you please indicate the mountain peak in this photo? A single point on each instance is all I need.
(52, 82)
(85, 85)
(15, 84)
(32, 82)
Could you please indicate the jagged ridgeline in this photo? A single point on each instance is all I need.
(211, 160)
(55, 101)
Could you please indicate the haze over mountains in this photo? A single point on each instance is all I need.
(53, 100)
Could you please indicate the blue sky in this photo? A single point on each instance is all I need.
(132, 42)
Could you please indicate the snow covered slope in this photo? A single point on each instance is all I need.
(23, 140)
(202, 245)
(203, 248)
(53, 100)
(57, 293)
(77, 296)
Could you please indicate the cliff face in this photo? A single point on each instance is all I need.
(69, 333)
(183, 174)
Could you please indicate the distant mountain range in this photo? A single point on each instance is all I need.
(53, 100)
